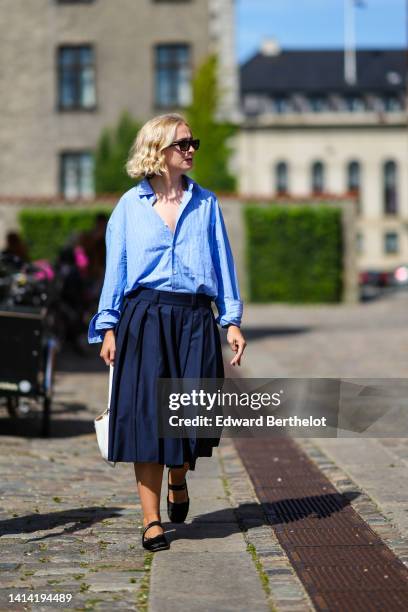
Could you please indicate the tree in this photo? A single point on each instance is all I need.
(111, 155)
(212, 162)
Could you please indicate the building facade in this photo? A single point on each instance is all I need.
(306, 131)
(69, 68)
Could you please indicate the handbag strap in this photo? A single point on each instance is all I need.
(110, 384)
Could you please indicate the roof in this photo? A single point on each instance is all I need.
(322, 70)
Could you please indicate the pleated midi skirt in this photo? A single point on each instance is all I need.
(160, 334)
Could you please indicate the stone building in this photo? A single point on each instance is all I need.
(306, 130)
(70, 67)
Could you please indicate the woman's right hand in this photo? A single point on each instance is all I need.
(108, 347)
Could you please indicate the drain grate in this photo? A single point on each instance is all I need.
(346, 577)
(362, 601)
(342, 563)
(343, 555)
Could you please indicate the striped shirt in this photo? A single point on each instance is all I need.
(142, 250)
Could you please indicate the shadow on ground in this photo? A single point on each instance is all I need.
(222, 523)
(82, 518)
(30, 426)
(217, 524)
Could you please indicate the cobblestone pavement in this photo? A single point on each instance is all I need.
(69, 523)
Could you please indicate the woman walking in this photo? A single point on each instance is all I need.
(167, 258)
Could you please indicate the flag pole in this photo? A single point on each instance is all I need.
(350, 72)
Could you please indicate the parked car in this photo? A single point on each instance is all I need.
(376, 278)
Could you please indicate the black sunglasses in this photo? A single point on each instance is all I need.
(185, 144)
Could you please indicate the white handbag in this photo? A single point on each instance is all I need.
(102, 425)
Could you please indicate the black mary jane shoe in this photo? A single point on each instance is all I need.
(159, 542)
(177, 511)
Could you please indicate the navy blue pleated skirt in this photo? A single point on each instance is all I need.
(160, 334)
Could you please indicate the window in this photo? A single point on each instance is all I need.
(318, 177)
(77, 175)
(355, 104)
(76, 77)
(281, 178)
(376, 103)
(391, 242)
(252, 104)
(255, 104)
(281, 104)
(353, 176)
(318, 104)
(390, 188)
(359, 243)
(354, 181)
(173, 75)
(392, 104)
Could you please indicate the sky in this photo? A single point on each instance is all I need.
(318, 24)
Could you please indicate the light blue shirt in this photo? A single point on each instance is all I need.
(142, 250)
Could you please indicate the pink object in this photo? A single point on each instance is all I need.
(81, 258)
(45, 270)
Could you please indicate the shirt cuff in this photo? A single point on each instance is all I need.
(226, 325)
(106, 319)
(231, 314)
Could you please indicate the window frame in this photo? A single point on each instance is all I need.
(351, 99)
(60, 107)
(63, 154)
(318, 163)
(359, 242)
(388, 100)
(356, 191)
(282, 104)
(318, 103)
(279, 165)
(389, 207)
(156, 66)
(386, 236)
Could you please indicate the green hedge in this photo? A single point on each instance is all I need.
(294, 253)
(45, 231)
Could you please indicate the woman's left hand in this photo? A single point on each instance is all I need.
(237, 343)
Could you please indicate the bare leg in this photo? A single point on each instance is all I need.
(177, 476)
(149, 478)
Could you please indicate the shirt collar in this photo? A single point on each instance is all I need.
(144, 188)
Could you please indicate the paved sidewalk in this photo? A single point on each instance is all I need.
(208, 567)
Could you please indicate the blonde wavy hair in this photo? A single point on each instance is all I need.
(145, 156)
